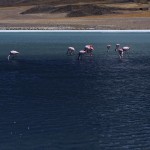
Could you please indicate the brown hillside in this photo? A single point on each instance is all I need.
(74, 8)
(87, 8)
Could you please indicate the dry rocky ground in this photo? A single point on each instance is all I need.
(120, 16)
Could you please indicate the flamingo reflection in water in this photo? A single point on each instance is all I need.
(12, 54)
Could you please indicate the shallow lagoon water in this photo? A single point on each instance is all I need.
(51, 101)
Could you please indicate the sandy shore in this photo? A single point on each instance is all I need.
(11, 19)
(79, 24)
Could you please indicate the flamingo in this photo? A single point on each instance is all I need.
(125, 48)
(121, 50)
(12, 54)
(89, 49)
(81, 54)
(117, 46)
(108, 47)
(70, 51)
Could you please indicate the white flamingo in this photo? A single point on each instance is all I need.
(12, 54)
(117, 46)
(81, 54)
(125, 48)
(70, 50)
(108, 47)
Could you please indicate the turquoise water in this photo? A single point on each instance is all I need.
(51, 101)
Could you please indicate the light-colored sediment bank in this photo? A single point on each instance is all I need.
(79, 24)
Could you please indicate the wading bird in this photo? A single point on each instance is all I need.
(108, 47)
(12, 54)
(70, 50)
(89, 49)
(81, 54)
(121, 50)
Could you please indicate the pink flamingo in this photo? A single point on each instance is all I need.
(121, 50)
(89, 49)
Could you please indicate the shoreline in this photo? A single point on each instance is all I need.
(103, 31)
(82, 23)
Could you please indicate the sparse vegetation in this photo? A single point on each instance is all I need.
(87, 8)
(75, 13)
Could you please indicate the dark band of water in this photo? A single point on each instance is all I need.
(51, 101)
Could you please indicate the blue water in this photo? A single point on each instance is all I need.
(51, 101)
